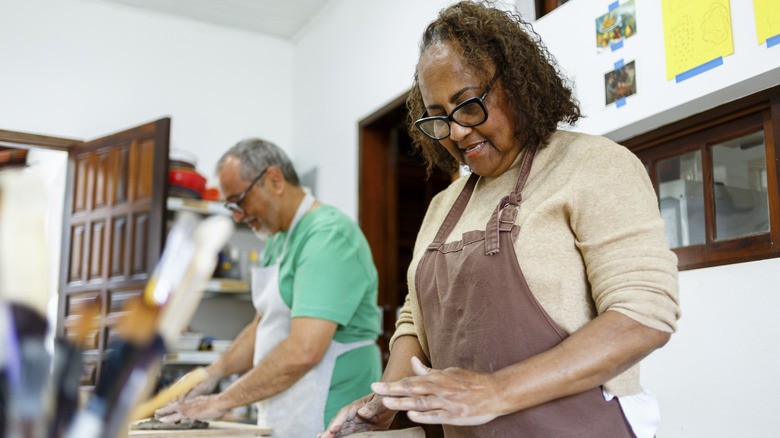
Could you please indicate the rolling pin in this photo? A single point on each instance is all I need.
(169, 394)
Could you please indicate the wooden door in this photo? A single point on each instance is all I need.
(113, 229)
(394, 193)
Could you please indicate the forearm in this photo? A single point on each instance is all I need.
(601, 350)
(276, 372)
(284, 365)
(399, 364)
(238, 357)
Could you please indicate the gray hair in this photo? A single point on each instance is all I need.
(256, 155)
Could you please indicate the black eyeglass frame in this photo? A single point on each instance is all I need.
(236, 205)
(448, 118)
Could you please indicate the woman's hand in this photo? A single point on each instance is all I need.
(197, 408)
(362, 415)
(451, 396)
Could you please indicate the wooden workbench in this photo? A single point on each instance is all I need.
(215, 429)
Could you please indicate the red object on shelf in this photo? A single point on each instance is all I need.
(187, 178)
(211, 194)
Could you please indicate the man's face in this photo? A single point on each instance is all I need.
(260, 209)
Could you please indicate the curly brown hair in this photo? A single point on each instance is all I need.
(488, 36)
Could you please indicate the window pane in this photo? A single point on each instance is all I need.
(740, 188)
(681, 194)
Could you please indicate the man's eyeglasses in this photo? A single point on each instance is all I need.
(236, 205)
(470, 112)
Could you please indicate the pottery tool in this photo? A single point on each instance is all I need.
(24, 287)
(169, 394)
(179, 294)
(29, 380)
(24, 253)
(209, 237)
(67, 367)
(174, 262)
(153, 321)
(127, 362)
(179, 302)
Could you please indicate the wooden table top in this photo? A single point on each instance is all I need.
(215, 429)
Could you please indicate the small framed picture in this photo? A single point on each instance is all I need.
(620, 83)
(615, 26)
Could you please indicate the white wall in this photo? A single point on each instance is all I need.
(83, 69)
(357, 58)
(717, 376)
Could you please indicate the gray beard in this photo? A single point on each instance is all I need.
(263, 234)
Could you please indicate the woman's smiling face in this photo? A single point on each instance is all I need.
(490, 148)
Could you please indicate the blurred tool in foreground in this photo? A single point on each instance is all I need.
(151, 323)
(24, 277)
(38, 393)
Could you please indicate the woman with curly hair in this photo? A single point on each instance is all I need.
(539, 281)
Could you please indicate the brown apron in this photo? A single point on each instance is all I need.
(479, 314)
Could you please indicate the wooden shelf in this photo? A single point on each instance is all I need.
(197, 206)
(227, 285)
(191, 357)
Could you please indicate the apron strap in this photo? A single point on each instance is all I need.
(303, 208)
(454, 215)
(507, 216)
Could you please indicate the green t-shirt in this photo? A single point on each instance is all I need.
(328, 273)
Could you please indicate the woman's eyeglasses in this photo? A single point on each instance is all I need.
(469, 113)
(236, 205)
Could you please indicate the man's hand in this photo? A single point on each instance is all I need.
(451, 396)
(197, 408)
(362, 415)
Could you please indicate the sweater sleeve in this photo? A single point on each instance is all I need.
(405, 324)
(620, 233)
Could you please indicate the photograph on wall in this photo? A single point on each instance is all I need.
(620, 83)
(615, 26)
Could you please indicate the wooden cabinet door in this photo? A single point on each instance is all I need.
(113, 228)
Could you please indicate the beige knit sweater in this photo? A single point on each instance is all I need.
(591, 239)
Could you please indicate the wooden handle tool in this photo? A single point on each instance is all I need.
(169, 394)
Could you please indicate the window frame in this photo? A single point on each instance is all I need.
(700, 132)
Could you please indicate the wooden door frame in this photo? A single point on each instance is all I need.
(25, 140)
(377, 206)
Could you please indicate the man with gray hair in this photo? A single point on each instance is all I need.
(311, 347)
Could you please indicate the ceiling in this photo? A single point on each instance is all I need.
(280, 18)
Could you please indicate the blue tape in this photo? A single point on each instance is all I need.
(620, 102)
(619, 64)
(700, 69)
(614, 6)
(773, 41)
(617, 45)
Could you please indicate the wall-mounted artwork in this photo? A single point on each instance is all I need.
(615, 26)
(767, 21)
(697, 35)
(620, 83)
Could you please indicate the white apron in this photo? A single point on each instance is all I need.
(298, 411)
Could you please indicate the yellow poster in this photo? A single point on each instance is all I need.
(767, 19)
(695, 33)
